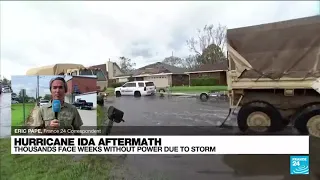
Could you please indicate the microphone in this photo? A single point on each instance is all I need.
(56, 106)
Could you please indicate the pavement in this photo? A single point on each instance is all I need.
(182, 111)
(5, 115)
(89, 117)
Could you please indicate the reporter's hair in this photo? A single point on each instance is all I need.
(59, 79)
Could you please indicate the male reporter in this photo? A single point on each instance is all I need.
(67, 118)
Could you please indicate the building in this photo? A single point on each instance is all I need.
(111, 69)
(161, 74)
(217, 71)
(80, 85)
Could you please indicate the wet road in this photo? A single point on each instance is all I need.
(5, 115)
(152, 111)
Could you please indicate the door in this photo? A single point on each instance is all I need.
(131, 87)
(128, 88)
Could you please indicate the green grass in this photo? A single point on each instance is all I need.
(99, 115)
(51, 167)
(17, 113)
(197, 89)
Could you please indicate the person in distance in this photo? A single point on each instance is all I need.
(67, 118)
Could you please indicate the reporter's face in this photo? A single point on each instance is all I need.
(57, 90)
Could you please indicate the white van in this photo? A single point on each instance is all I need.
(136, 88)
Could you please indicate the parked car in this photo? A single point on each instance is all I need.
(83, 104)
(43, 102)
(136, 88)
(14, 102)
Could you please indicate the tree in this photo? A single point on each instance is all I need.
(126, 65)
(173, 61)
(210, 41)
(47, 97)
(191, 62)
(211, 54)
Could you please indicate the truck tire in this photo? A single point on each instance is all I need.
(259, 113)
(137, 94)
(308, 120)
(118, 94)
(204, 97)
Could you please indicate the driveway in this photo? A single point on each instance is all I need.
(177, 111)
(5, 115)
(89, 117)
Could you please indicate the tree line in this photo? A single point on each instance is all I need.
(207, 48)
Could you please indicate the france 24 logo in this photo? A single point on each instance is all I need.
(299, 165)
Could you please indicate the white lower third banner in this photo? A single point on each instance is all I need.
(160, 144)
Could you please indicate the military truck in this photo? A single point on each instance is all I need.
(72, 70)
(274, 75)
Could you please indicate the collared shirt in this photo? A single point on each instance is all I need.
(68, 116)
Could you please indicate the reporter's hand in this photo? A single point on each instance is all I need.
(54, 123)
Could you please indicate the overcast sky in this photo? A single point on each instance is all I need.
(42, 33)
(30, 84)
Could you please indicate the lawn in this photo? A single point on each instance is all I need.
(17, 113)
(51, 167)
(197, 89)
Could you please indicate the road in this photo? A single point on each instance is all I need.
(153, 111)
(89, 117)
(5, 115)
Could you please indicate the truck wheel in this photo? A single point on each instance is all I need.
(137, 94)
(308, 120)
(259, 116)
(204, 97)
(118, 94)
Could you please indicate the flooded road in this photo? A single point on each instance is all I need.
(5, 115)
(153, 111)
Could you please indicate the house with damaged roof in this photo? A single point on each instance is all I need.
(217, 71)
(161, 74)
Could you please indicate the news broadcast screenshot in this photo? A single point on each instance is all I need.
(160, 90)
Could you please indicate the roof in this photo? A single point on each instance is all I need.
(157, 68)
(82, 76)
(218, 66)
(52, 69)
(100, 66)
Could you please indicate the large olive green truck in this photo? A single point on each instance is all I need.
(274, 75)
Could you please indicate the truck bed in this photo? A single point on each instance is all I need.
(280, 50)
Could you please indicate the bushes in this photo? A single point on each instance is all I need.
(115, 85)
(204, 82)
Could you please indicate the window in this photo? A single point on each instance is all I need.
(141, 84)
(149, 84)
(86, 72)
(131, 85)
(100, 75)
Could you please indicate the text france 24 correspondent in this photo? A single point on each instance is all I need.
(68, 117)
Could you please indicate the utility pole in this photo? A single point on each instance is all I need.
(37, 92)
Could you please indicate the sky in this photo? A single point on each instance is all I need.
(29, 83)
(42, 33)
